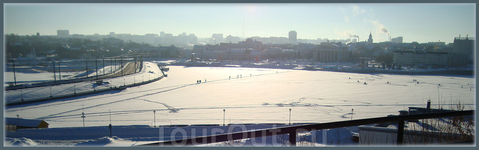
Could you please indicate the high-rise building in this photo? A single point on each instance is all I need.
(370, 40)
(463, 45)
(462, 51)
(218, 38)
(232, 39)
(63, 33)
(192, 39)
(293, 36)
(397, 39)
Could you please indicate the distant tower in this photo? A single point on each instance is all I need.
(370, 40)
(293, 36)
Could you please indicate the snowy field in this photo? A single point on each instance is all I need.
(251, 95)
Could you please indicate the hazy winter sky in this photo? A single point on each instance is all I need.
(415, 22)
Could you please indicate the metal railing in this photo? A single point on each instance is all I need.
(293, 130)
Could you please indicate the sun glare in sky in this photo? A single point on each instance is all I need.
(414, 22)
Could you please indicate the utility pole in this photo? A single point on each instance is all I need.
(121, 63)
(224, 111)
(154, 118)
(54, 74)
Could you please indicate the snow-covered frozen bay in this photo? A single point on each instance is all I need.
(253, 95)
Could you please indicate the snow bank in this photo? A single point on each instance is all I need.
(138, 135)
(19, 142)
(107, 142)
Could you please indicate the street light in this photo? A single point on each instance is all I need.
(83, 116)
(290, 116)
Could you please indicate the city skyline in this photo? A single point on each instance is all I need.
(415, 22)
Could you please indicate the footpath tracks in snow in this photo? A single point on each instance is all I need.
(123, 97)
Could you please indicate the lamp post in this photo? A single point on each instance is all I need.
(14, 75)
(59, 71)
(96, 68)
(109, 126)
(83, 116)
(290, 116)
(352, 113)
(103, 66)
(86, 65)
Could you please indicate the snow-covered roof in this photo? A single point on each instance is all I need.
(23, 122)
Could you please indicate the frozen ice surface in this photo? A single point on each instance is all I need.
(251, 95)
(248, 95)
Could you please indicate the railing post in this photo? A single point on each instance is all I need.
(400, 136)
(292, 138)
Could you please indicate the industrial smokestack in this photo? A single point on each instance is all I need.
(354, 36)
